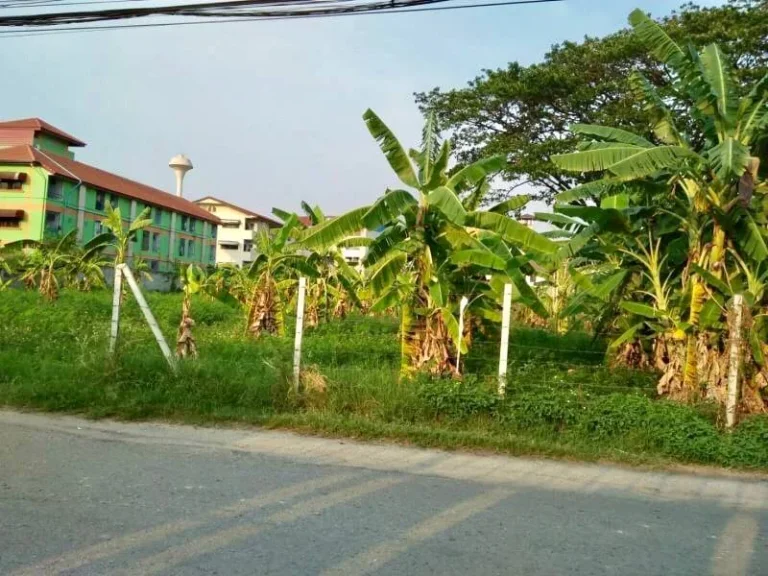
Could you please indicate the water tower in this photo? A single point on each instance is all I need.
(180, 165)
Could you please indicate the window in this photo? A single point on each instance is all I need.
(11, 218)
(157, 216)
(231, 224)
(185, 223)
(12, 180)
(53, 221)
(182, 244)
(113, 201)
(247, 245)
(98, 228)
(213, 230)
(192, 225)
(210, 208)
(55, 188)
(154, 265)
(100, 200)
(155, 242)
(212, 253)
(144, 240)
(191, 248)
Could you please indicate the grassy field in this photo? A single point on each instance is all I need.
(562, 400)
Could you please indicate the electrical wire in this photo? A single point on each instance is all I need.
(364, 10)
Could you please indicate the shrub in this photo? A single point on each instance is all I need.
(456, 398)
(550, 409)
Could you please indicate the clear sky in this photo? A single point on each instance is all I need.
(270, 112)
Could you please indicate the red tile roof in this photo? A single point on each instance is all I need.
(39, 125)
(74, 170)
(239, 208)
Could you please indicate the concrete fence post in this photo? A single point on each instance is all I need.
(148, 316)
(462, 306)
(506, 315)
(299, 334)
(734, 361)
(118, 285)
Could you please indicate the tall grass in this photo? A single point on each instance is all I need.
(562, 399)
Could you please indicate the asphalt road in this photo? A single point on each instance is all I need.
(80, 498)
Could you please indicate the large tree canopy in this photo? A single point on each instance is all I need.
(524, 112)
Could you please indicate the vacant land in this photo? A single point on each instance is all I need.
(562, 400)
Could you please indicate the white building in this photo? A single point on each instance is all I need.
(234, 244)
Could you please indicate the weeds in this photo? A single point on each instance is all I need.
(53, 357)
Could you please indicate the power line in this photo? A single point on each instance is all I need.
(372, 9)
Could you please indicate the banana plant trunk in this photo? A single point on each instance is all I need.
(186, 346)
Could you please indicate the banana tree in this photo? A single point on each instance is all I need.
(273, 272)
(123, 235)
(333, 290)
(710, 175)
(409, 263)
(193, 280)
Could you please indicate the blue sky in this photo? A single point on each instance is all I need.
(270, 112)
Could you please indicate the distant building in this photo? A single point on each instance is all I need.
(236, 232)
(45, 192)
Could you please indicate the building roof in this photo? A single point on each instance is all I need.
(74, 170)
(39, 125)
(238, 208)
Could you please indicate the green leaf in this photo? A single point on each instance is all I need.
(648, 161)
(617, 201)
(656, 40)
(479, 257)
(355, 242)
(383, 243)
(662, 123)
(475, 172)
(282, 214)
(332, 231)
(437, 176)
(386, 271)
(610, 134)
(750, 238)
(555, 218)
(756, 344)
(716, 72)
(512, 231)
(609, 219)
(390, 299)
(711, 312)
(510, 204)
(452, 325)
(595, 160)
(603, 289)
(628, 335)
(642, 310)
(527, 295)
(712, 280)
(391, 148)
(389, 207)
(589, 190)
(729, 158)
(448, 204)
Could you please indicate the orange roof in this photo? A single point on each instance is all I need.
(39, 125)
(74, 170)
(239, 208)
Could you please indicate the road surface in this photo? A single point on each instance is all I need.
(79, 497)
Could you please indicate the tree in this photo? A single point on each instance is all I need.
(122, 235)
(334, 289)
(699, 216)
(524, 112)
(193, 280)
(271, 274)
(48, 264)
(411, 262)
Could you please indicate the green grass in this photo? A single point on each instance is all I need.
(562, 400)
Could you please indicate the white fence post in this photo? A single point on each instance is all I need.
(116, 297)
(299, 333)
(734, 360)
(506, 314)
(462, 306)
(148, 316)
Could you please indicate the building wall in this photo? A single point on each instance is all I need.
(37, 201)
(239, 235)
(30, 199)
(51, 144)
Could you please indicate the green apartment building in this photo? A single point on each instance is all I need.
(45, 192)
